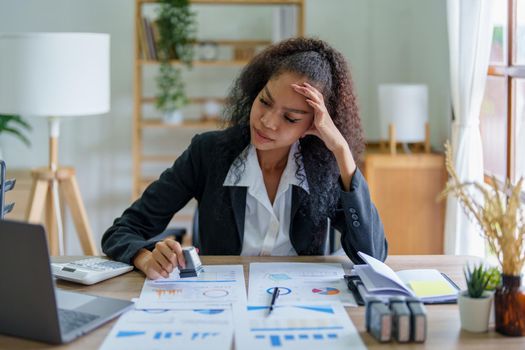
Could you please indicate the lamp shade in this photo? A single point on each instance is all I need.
(406, 107)
(54, 74)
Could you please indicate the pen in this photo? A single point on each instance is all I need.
(275, 294)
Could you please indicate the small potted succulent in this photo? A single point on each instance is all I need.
(475, 303)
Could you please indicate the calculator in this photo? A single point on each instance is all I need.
(89, 271)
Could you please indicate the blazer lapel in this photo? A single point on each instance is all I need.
(238, 199)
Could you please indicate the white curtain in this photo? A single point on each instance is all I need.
(470, 37)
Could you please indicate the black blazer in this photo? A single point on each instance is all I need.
(195, 174)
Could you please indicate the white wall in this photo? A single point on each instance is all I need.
(384, 41)
(402, 41)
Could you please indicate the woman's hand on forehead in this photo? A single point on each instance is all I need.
(323, 126)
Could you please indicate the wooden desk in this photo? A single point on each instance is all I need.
(443, 333)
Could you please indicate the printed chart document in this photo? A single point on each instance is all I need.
(296, 326)
(216, 283)
(172, 329)
(298, 282)
(427, 284)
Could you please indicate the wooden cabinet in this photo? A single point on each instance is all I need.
(144, 124)
(404, 188)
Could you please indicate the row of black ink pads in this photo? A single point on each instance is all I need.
(403, 319)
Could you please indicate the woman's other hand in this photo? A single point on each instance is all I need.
(160, 262)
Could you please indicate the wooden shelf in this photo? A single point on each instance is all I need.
(243, 42)
(214, 63)
(235, 2)
(193, 100)
(232, 42)
(160, 124)
(159, 158)
(142, 125)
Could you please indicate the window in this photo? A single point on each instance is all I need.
(502, 119)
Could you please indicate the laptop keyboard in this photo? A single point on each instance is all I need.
(70, 320)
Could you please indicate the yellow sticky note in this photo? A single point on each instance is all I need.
(431, 288)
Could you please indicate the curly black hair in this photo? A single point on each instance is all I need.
(327, 70)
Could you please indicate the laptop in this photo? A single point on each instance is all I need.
(31, 306)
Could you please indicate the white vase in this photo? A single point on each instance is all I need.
(475, 312)
(173, 117)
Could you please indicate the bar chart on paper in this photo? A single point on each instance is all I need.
(216, 284)
(298, 326)
(167, 335)
(280, 340)
(172, 329)
(168, 292)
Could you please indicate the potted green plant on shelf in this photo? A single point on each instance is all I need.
(14, 124)
(499, 211)
(171, 96)
(475, 303)
(177, 27)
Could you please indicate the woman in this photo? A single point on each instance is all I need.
(272, 182)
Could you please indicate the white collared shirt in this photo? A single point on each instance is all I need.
(266, 226)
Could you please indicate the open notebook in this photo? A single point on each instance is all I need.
(427, 284)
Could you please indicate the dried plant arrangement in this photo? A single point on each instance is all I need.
(498, 211)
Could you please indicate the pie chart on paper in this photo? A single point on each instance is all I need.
(325, 291)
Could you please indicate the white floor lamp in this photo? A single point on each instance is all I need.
(403, 111)
(55, 75)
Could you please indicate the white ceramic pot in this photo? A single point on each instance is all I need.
(475, 312)
(173, 117)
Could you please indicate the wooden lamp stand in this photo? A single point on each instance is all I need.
(392, 142)
(45, 197)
